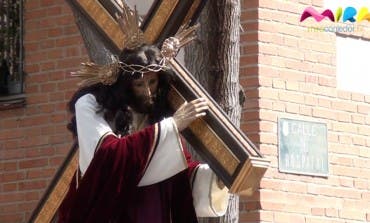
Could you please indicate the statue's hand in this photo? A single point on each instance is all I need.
(188, 112)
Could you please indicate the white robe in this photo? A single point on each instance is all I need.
(167, 161)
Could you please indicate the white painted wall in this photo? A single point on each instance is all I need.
(334, 4)
(353, 65)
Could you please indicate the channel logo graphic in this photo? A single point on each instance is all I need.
(348, 14)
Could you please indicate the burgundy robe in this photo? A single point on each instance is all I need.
(108, 191)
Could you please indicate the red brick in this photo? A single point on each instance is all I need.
(29, 196)
(32, 25)
(31, 132)
(34, 121)
(47, 3)
(36, 13)
(61, 106)
(58, 117)
(55, 97)
(67, 85)
(331, 212)
(48, 130)
(39, 152)
(32, 163)
(32, 68)
(36, 36)
(11, 197)
(254, 205)
(26, 206)
(32, 89)
(8, 166)
(47, 108)
(34, 141)
(8, 145)
(250, 127)
(57, 139)
(11, 217)
(37, 78)
(48, 43)
(72, 52)
(249, 59)
(33, 185)
(8, 208)
(63, 149)
(32, 4)
(47, 23)
(311, 79)
(57, 75)
(11, 134)
(10, 187)
(318, 211)
(31, 47)
(56, 161)
(40, 173)
(249, 217)
(55, 54)
(54, 11)
(47, 66)
(11, 177)
(70, 41)
(68, 30)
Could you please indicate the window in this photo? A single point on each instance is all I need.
(11, 54)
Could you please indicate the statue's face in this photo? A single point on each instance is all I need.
(145, 92)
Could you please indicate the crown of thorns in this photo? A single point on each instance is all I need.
(92, 73)
(133, 68)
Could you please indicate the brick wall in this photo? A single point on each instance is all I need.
(290, 72)
(34, 139)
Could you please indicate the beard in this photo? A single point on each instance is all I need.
(143, 104)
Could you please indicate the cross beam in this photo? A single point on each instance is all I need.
(230, 154)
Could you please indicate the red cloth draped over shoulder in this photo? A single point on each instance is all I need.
(109, 186)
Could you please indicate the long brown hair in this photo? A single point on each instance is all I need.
(115, 99)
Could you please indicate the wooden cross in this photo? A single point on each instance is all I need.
(230, 154)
